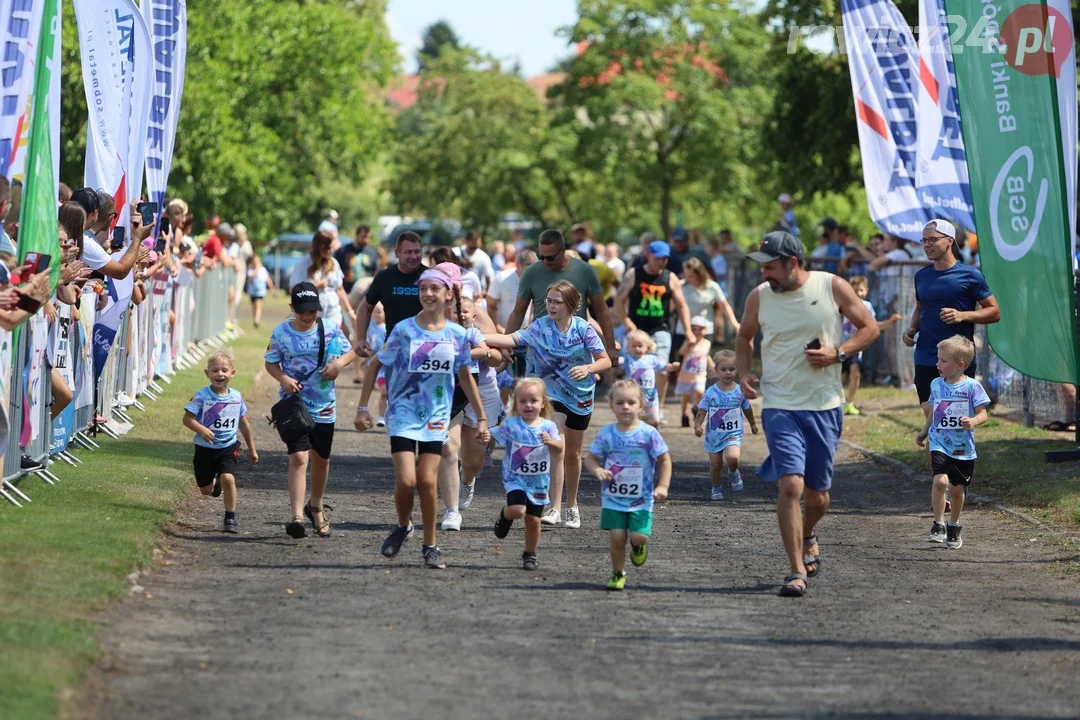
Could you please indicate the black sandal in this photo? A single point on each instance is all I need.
(321, 529)
(295, 530)
(814, 560)
(791, 590)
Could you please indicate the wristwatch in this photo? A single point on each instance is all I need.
(841, 356)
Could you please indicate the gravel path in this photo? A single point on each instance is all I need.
(258, 625)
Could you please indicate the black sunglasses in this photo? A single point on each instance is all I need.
(549, 258)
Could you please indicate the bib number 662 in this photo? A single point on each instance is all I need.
(623, 489)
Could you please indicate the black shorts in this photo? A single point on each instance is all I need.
(926, 374)
(851, 361)
(321, 439)
(416, 447)
(960, 472)
(519, 362)
(573, 420)
(458, 402)
(518, 497)
(211, 462)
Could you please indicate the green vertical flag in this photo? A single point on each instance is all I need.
(1016, 79)
(38, 226)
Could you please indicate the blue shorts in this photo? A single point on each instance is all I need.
(801, 442)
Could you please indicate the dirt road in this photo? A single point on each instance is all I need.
(258, 625)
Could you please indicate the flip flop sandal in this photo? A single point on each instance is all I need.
(809, 560)
(295, 530)
(790, 590)
(321, 529)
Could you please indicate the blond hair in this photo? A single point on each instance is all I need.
(959, 348)
(546, 410)
(859, 281)
(222, 355)
(723, 355)
(650, 344)
(570, 294)
(628, 386)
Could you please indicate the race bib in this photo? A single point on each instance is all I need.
(647, 381)
(694, 365)
(725, 419)
(219, 416)
(627, 482)
(947, 414)
(530, 460)
(430, 357)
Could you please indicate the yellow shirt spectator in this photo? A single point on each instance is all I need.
(608, 281)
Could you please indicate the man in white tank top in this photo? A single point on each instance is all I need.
(800, 315)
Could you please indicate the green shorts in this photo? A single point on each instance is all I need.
(639, 521)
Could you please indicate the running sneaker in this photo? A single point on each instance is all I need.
(432, 557)
(617, 581)
(850, 409)
(573, 518)
(216, 492)
(230, 526)
(937, 533)
(466, 493)
(380, 422)
(717, 493)
(736, 481)
(685, 421)
(953, 541)
(528, 561)
(397, 537)
(451, 519)
(502, 526)
(550, 517)
(639, 554)
(28, 464)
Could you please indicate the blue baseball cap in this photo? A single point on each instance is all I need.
(660, 249)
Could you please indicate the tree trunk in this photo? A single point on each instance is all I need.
(665, 207)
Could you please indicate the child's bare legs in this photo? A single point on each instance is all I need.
(256, 311)
(298, 463)
(532, 525)
(618, 550)
(854, 381)
(958, 497)
(937, 498)
(382, 404)
(732, 453)
(652, 415)
(638, 539)
(320, 474)
(685, 399)
(448, 467)
(228, 490)
(428, 484)
(716, 469)
(404, 486)
(473, 455)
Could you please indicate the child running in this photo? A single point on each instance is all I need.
(529, 437)
(215, 414)
(305, 355)
(566, 353)
(632, 461)
(642, 368)
(376, 338)
(690, 385)
(422, 356)
(853, 365)
(719, 417)
(259, 284)
(958, 405)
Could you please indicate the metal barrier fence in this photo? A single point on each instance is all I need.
(174, 327)
(890, 362)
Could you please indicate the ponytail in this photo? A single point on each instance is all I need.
(456, 290)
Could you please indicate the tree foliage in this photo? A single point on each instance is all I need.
(438, 36)
(282, 107)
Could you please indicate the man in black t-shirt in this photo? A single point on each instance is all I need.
(357, 259)
(394, 287)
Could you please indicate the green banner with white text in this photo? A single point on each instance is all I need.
(1016, 78)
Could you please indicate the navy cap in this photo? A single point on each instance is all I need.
(305, 298)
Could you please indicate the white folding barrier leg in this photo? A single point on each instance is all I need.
(46, 476)
(8, 497)
(11, 486)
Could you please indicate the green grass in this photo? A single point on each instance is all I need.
(1012, 466)
(66, 554)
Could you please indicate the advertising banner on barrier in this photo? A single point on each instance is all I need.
(884, 68)
(1018, 103)
(167, 20)
(20, 27)
(63, 361)
(941, 171)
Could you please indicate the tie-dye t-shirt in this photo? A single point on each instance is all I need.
(643, 371)
(723, 417)
(551, 354)
(631, 457)
(695, 365)
(506, 379)
(220, 413)
(376, 338)
(298, 354)
(485, 374)
(950, 403)
(421, 371)
(527, 463)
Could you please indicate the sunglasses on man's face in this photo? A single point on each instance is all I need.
(549, 258)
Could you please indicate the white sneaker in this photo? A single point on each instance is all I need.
(380, 422)
(736, 481)
(451, 519)
(573, 518)
(550, 517)
(717, 493)
(466, 493)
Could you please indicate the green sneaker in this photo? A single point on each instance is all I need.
(639, 554)
(617, 581)
(850, 409)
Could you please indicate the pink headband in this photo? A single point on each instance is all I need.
(447, 274)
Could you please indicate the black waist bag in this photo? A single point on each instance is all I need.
(289, 416)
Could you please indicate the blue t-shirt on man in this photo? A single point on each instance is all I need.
(961, 287)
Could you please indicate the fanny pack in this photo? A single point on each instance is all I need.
(289, 416)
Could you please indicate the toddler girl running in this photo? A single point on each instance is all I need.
(632, 461)
(719, 417)
(696, 364)
(642, 368)
(529, 437)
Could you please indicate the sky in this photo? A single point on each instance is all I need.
(522, 30)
